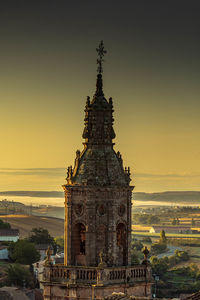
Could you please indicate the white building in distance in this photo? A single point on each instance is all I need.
(9, 235)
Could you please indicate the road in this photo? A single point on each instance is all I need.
(170, 251)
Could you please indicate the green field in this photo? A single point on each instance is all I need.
(168, 235)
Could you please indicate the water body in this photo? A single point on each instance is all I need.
(35, 201)
(59, 201)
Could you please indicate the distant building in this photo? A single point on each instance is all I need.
(9, 235)
(171, 229)
(38, 267)
(3, 252)
(42, 249)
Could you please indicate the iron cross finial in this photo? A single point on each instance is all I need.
(101, 53)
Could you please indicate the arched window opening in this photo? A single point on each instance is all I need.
(78, 246)
(82, 239)
(122, 240)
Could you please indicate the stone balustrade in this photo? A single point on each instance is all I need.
(96, 275)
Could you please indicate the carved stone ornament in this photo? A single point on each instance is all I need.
(101, 210)
(102, 263)
(48, 260)
(79, 209)
(121, 210)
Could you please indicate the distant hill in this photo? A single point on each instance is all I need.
(171, 196)
(41, 194)
(52, 211)
(25, 224)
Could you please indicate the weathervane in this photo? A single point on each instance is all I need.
(101, 53)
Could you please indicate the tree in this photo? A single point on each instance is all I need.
(137, 245)
(172, 260)
(23, 252)
(159, 266)
(145, 219)
(194, 270)
(17, 275)
(158, 248)
(134, 257)
(174, 221)
(193, 223)
(163, 239)
(42, 236)
(152, 219)
(60, 242)
(181, 255)
(4, 225)
(147, 239)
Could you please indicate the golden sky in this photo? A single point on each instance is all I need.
(152, 71)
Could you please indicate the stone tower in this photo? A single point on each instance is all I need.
(98, 210)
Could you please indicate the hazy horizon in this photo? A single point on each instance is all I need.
(138, 199)
(52, 179)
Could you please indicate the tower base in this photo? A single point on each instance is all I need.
(86, 283)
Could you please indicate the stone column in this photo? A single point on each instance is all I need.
(90, 248)
(113, 221)
(111, 227)
(68, 229)
(129, 225)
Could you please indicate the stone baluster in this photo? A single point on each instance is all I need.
(47, 273)
(73, 276)
(100, 277)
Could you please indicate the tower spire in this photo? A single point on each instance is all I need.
(99, 85)
(100, 60)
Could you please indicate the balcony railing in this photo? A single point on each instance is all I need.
(96, 275)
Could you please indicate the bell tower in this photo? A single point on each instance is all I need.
(97, 193)
(97, 229)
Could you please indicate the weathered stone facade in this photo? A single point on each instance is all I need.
(98, 194)
(97, 217)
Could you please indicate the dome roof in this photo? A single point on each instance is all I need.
(99, 166)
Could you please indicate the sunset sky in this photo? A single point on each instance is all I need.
(152, 71)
